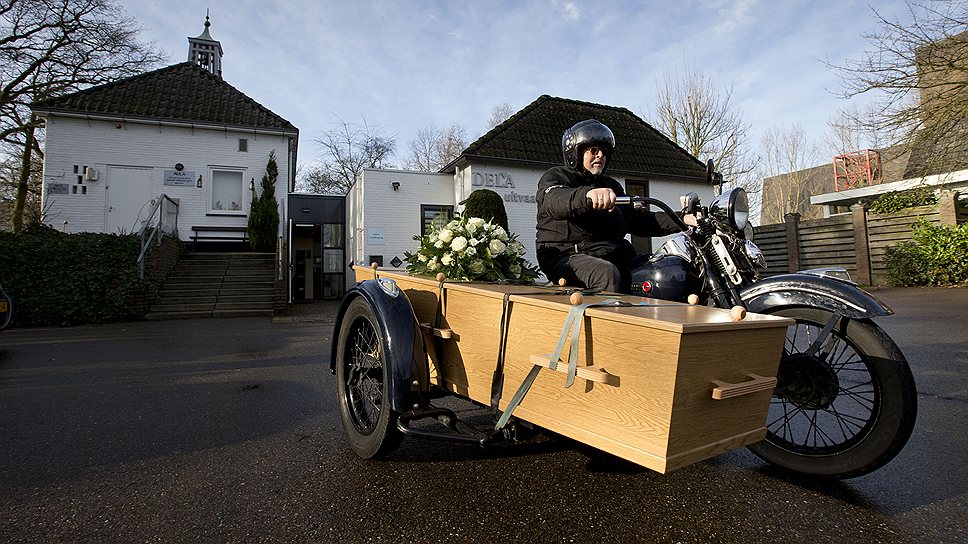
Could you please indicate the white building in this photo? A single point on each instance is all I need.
(182, 131)
(385, 209)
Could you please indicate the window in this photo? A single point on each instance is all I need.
(243, 144)
(228, 195)
(432, 214)
(642, 244)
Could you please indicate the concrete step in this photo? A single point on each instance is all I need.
(250, 297)
(224, 306)
(161, 316)
(242, 313)
(163, 306)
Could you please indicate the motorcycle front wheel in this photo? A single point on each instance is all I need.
(845, 401)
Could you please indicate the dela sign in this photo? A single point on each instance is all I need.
(492, 180)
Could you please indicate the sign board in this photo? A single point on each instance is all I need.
(374, 237)
(57, 189)
(180, 178)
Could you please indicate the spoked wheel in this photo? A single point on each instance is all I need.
(361, 384)
(845, 400)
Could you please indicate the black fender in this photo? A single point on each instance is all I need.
(814, 291)
(402, 339)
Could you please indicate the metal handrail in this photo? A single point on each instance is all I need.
(154, 231)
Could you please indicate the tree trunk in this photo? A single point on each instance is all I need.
(24, 181)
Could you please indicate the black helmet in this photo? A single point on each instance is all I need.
(584, 134)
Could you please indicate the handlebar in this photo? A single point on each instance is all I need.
(639, 201)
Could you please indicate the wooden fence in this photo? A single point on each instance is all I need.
(857, 241)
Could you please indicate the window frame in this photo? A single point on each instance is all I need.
(424, 208)
(210, 205)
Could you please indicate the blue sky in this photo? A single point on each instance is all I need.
(403, 65)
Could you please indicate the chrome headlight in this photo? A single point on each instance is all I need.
(733, 207)
(754, 253)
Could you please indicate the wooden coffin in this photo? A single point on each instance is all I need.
(661, 384)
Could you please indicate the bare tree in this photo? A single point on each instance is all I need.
(918, 72)
(699, 116)
(348, 149)
(788, 176)
(435, 147)
(52, 47)
(499, 114)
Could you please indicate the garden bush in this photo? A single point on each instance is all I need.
(935, 255)
(487, 205)
(56, 278)
(895, 201)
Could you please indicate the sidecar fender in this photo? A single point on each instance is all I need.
(399, 330)
(815, 291)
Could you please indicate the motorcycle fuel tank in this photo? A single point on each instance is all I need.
(665, 277)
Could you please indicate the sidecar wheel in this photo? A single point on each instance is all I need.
(361, 384)
(843, 412)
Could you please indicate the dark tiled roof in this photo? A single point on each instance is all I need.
(182, 92)
(534, 135)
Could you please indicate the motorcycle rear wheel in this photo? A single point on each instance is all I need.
(845, 411)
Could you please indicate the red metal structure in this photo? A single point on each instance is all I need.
(857, 169)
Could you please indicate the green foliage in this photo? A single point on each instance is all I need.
(487, 205)
(935, 255)
(896, 201)
(67, 279)
(264, 211)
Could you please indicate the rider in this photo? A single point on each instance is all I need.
(580, 231)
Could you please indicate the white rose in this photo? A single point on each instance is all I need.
(473, 242)
(516, 269)
(477, 222)
(432, 265)
(421, 257)
(476, 266)
(470, 251)
(439, 244)
(497, 247)
(446, 236)
(501, 234)
(433, 238)
(458, 244)
(446, 259)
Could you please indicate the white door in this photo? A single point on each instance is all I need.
(128, 193)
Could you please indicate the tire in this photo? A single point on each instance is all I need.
(361, 384)
(844, 412)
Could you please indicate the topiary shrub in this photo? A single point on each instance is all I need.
(935, 255)
(487, 205)
(264, 210)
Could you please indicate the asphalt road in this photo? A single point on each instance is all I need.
(228, 431)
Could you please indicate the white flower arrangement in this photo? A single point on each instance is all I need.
(472, 249)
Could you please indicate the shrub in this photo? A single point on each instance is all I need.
(896, 201)
(487, 205)
(935, 255)
(56, 278)
(264, 210)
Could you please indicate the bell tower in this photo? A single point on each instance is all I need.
(205, 51)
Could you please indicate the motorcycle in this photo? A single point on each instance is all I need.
(845, 402)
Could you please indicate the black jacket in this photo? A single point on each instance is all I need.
(567, 222)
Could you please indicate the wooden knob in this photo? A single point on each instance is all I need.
(441, 277)
(576, 298)
(374, 266)
(738, 313)
(562, 282)
(693, 299)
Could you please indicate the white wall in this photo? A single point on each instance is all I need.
(101, 144)
(373, 208)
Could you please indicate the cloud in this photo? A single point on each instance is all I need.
(570, 9)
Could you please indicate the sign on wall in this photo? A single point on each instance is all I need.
(57, 189)
(180, 178)
(374, 236)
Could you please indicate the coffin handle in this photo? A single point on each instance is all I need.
(590, 373)
(725, 390)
